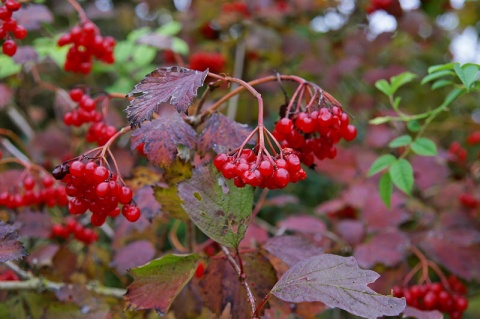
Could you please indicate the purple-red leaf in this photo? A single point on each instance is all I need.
(145, 199)
(339, 283)
(292, 249)
(133, 254)
(422, 314)
(175, 85)
(222, 134)
(387, 248)
(162, 138)
(156, 284)
(10, 247)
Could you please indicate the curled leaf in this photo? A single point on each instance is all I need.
(10, 247)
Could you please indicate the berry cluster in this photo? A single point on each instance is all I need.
(390, 6)
(246, 168)
(94, 187)
(32, 192)
(236, 7)
(314, 134)
(86, 43)
(9, 25)
(9, 275)
(201, 61)
(457, 152)
(435, 297)
(86, 112)
(72, 227)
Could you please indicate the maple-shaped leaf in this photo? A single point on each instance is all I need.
(219, 208)
(292, 249)
(338, 282)
(10, 247)
(175, 85)
(162, 138)
(222, 134)
(221, 287)
(156, 284)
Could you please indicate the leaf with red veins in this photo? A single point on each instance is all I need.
(175, 85)
(292, 249)
(10, 247)
(156, 284)
(222, 134)
(339, 283)
(387, 248)
(221, 287)
(162, 138)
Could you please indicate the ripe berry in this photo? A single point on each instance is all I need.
(131, 213)
(284, 126)
(281, 177)
(9, 47)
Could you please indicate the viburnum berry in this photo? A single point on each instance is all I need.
(9, 47)
(93, 187)
(10, 25)
(72, 227)
(201, 61)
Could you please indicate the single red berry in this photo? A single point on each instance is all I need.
(47, 181)
(102, 189)
(9, 47)
(125, 195)
(284, 126)
(220, 160)
(12, 5)
(350, 133)
(77, 168)
(281, 177)
(20, 32)
(200, 270)
(76, 94)
(265, 168)
(229, 170)
(98, 219)
(131, 213)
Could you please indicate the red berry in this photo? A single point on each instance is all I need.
(284, 126)
(12, 5)
(9, 47)
(131, 213)
(200, 270)
(125, 195)
(281, 177)
(350, 133)
(98, 219)
(265, 168)
(77, 168)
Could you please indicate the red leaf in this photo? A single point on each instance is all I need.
(34, 224)
(339, 283)
(147, 203)
(303, 224)
(132, 255)
(175, 85)
(162, 138)
(352, 231)
(156, 284)
(222, 134)
(10, 247)
(387, 248)
(292, 249)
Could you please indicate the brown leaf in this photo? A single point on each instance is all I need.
(10, 247)
(134, 254)
(222, 134)
(221, 286)
(43, 255)
(387, 248)
(175, 85)
(292, 249)
(162, 137)
(34, 224)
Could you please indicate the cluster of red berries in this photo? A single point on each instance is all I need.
(201, 61)
(86, 43)
(72, 227)
(31, 192)
(314, 134)
(9, 275)
(86, 112)
(236, 7)
(94, 187)
(435, 297)
(390, 6)
(468, 201)
(268, 172)
(457, 152)
(9, 25)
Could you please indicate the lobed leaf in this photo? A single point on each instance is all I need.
(401, 173)
(221, 210)
(381, 163)
(400, 141)
(424, 146)
(339, 283)
(175, 85)
(156, 284)
(162, 138)
(10, 247)
(221, 133)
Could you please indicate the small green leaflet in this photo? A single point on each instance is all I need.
(400, 80)
(436, 75)
(414, 126)
(381, 163)
(440, 67)
(424, 146)
(440, 84)
(383, 86)
(400, 141)
(385, 188)
(401, 173)
(467, 73)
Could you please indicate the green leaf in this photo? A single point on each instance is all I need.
(440, 84)
(400, 80)
(401, 173)
(8, 66)
(171, 28)
(400, 141)
(219, 208)
(137, 33)
(122, 51)
(396, 102)
(414, 126)
(436, 75)
(381, 163)
(379, 120)
(440, 67)
(385, 188)
(179, 46)
(143, 55)
(424, 146)
(383, 86)
(156, 284)
(467, 74)
(452, 96)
